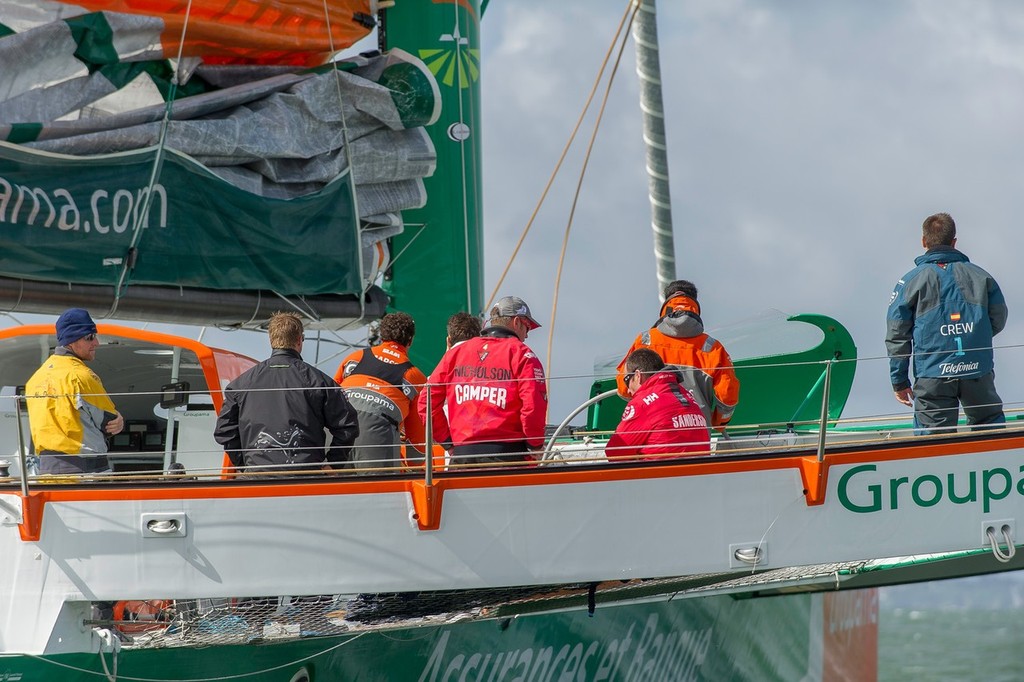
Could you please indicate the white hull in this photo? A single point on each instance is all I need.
(559, 524)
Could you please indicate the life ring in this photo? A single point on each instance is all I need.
(135, 616)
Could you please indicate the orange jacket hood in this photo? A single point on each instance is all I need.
(680, 318)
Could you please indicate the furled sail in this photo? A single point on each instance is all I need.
(129, 175)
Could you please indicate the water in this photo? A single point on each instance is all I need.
(965, 645)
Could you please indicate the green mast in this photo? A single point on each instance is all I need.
(438, 263)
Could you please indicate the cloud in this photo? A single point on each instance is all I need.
(807, 142)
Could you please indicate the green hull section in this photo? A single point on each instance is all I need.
(710, 638)
(438, 259)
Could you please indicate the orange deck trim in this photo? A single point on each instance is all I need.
(31, 524)
(426, 502)
(814, 475)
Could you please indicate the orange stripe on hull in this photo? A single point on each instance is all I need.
(813, 475)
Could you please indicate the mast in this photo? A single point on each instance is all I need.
(648, 68)
(438, 259)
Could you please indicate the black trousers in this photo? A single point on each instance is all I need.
(490, 453)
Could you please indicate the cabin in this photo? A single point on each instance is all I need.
(168, 388)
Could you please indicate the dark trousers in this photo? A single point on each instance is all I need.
(377, 445)
(60, 463)
(490, 453)
(937, 402)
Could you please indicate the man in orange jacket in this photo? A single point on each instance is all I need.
(678, 337)
(383, 386)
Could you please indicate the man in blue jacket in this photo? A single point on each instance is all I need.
(944, 313)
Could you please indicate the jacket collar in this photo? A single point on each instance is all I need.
(499, 332)
(662, 378)
(64, 350)
(394, 345)
(941, 254)
(290, 352)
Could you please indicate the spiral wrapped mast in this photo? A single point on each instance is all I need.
(648, 67)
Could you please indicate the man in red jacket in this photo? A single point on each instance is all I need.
(494, 388)
(662, 419)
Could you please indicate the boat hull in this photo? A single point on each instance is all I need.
(795, 637)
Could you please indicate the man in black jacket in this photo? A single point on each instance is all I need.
(276, 412)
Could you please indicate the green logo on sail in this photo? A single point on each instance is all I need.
(457, 61)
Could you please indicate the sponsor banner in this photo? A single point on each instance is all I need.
(71, 219)
(869, 488)
(714, 638)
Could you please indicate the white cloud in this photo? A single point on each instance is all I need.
(808, 141)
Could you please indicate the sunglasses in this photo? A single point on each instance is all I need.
(89, 337)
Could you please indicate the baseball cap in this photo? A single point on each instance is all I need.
(513, 306)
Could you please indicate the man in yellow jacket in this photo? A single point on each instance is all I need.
(678, 337)
(69, 411)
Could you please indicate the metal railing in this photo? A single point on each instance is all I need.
(564, 445)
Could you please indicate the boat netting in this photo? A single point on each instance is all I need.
(206, 622)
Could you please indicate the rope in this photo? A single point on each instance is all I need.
(142, 216)
(462, 159)
(565, 152)
(108, 639)
(238, 676)
(1011, 550)
(351, 169)
(579, 186)
(422, 227)
(760, 543)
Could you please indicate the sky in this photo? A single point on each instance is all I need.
(807, 143)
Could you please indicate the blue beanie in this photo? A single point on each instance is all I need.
(73, 324)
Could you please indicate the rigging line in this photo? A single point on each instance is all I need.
(17, 304)
(142, 215)
(565, 151)
(222, 678)
(364, 286)
(256, 307)
(760, 543)
(349, 348)
(459, 74)
(310, 314)
(422, 227)
(579, 183)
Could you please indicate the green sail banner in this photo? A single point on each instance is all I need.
(72, 219)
